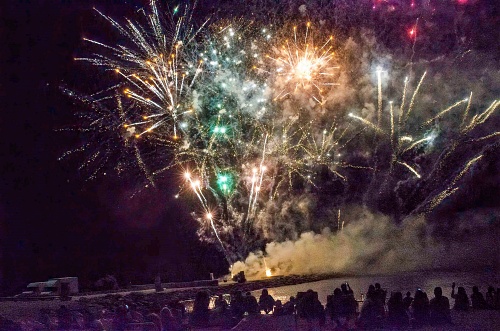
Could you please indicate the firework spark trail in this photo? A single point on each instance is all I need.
(441, 113)
(379, 89)
(481, 118)
(402, 107)
(195, 185)
(492, 135)
(416, 143)
(142, 165)
(262, 169)
(368, 123)
(391, 115)
(466, 112)
(405, 142)
(410, 168)
(210, 217)
(450, 190)
(412, 101)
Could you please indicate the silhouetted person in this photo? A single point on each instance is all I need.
(491, 297)
(158, 287)
(7, 324)
(369, 317)
(398, 316)
(200, 315)
(220, 304)
(380, 294)
(91, 322)
(289, 307)
(380, 297)
(121, 319)
(278, 308)
(238, 305)
(408, 300)
(477, 299)
(439, 308)
(240, 277)
(334, 306)
(348, 303)
(155, 319)
(44, 318)
(266, 302)
(497, 303)
(171, 323)
(64, 318)
(461, 298)
(319, 310)
(309, 307)
(346, 289)
(178, 309)
(251, 305)
(420, 307)
(135, 316)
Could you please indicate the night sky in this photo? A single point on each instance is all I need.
(53, 222)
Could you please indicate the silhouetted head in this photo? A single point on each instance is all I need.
(491, 289)
(408, 294)
(438, 292)
(377, 286)
(337, 292)
(396, 297)
(201, 295)
(292, 299)
(166, 315)
(264, 292)
(475, 289)
(343, 287)
(154, 318)
(371, 291)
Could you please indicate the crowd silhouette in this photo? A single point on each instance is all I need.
(342, 311)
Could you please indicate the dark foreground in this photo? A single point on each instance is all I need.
(36, 315)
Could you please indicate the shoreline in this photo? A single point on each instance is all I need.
(148, 299)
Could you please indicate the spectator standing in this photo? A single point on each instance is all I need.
(200, 316)
(398, 316)
(408, 300)
(491, 297)
(461, 298)
(439, 308)
(477, 299)
(420, 307)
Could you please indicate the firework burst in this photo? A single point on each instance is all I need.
(200, 102)
(299, 65)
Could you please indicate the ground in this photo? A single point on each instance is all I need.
(147, 299)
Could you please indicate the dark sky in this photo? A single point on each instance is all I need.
(53, 223)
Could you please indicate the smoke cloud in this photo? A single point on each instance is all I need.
(373, 243)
